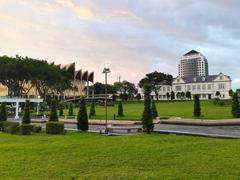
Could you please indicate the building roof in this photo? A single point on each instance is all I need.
(199, 79)
(191, 52)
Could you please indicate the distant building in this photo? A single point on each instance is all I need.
(193, 63)
(193, 77)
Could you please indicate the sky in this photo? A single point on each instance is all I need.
(134, 37)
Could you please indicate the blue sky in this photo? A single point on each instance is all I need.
(134, 36)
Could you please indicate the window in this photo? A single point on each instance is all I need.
(221, 86)
(168, 88)
(188, 87)
(204, 96)
(204, 87)
(164, 89)
(209, 86)
(178, 88)
(199, 87)
(194, 87)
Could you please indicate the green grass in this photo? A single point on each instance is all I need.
(184, 109)
(92, 156)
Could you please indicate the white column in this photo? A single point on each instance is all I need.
(17, 108)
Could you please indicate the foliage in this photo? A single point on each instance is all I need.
(188, 95)
(197, 106)
(3, 112)
(21, 74)
(168, 95)
(120, 108)
(60, 107)
(70, 110)
(26, 117)
(182, 95)
(138, 97)
(53, 112)
(218, 94)
(92, 109)
(11, 127)
(99, 88)
(37, 129)
(126, 87)
(235, 106)
(156, 80)
(55, 127)
(172, 95)
(25, 129)
(147, 113)
(230, 92)
(154, 110)
(82, 118)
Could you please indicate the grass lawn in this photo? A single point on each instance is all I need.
(92, 156)
(133, 110)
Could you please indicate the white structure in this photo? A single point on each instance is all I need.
(18, 100)
(193, 77)
(193, 63)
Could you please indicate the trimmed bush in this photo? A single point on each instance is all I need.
(11, 127)
(82, 118)
(197, 106)
(154, 110)
(26, 117)
(70, 110)
(120, 108)
(37, 129)
(53, 113)
(235, 106)
(61, 109)
(55, 127)
(92, 109)
(25, 129)
(3, 112)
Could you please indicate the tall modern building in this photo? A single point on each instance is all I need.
(193, 64)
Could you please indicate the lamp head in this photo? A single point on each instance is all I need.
(106, 69)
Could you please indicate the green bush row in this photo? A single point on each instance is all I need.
(53, 127)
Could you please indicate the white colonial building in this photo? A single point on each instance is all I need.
(206, 86)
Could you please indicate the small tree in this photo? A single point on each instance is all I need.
(178, 95)
(120, 108)
(60, 109)
(182, 95)
(138, 97)
(70, 110)
(53, 112)
(154, 110)
(230, 92)
(147, 113)
(172, 95)
(168, 95)
(197, 106)
(218, 94)
(82, 118)
(235, 106)
(26, 117)
(92, 109)
(3, 112)
(188, 95)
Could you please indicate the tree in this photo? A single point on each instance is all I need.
(82, 118)
(230, 92)
(235, 106)
(53, 113)
(70, 110)
(120, 108)
(138, 97)
(197, 106)
(126, 87)
(99, 88)
(154, 110)
(92, 109)
(188, 95)
(218, 94)
(172, 95)
(156, 80)
(3, 112)
(26, 117)
(182, 95)
(168, 95)
(147, 120)
(178, 95)
(61, 109)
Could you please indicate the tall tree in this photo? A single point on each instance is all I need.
(235, 106)
(26, 116)
(53, 112)
(82, 118)
(156, 80)
(70, 110)
(147, 120)
(154, 110)
(168, 95)
(188, 95)
(120, 108)
(197, 106)
(92, 109)
(99, 88)
(61, 109)
(172, 95)
(3, 112)
(126, 87)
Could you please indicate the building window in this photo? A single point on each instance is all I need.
(199, 87)
(178, 88)
(194, 87)
(209, 86)
(164, 89)
(188, 87)
(204, 96)
(221, 86)
(203, 87)
(168, 88)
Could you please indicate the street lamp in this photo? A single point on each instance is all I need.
(106, 70)
(38, 105)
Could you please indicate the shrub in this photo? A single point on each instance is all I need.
(92, 109)
(82, 118)
(120, 108)
(25, 129)
(26, 117)
(55, 127)
(3, 112)
(147, 113)
(70, 110)
(154, 110)
(1, 125)
(11, 127)
(37, 129)
(197, 106)
(53, 113)
(60, 109)
(172, 95)
(235, 106)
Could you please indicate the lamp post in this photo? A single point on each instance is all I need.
(106, 70)
(38, 105)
